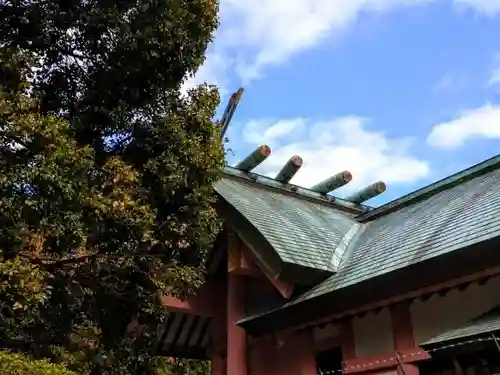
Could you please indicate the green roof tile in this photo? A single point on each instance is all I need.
(302, 232)
(452, 219)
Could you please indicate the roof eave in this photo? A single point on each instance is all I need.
(303, 275)
(338, 303)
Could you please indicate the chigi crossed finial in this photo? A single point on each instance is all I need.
(292, 166)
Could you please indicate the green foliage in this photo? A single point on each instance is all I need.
(103, 62)
(106, 175)
(23, 290)
(171, 366)
(16, 364)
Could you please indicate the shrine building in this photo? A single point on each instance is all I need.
(301, 282)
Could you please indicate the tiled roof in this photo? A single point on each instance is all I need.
(486, 323)
(303, 232)
(454, 218)
(454, 213)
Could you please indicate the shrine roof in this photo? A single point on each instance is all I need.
(484, 324)
(454, 213)
(306, 232)
(458, 215)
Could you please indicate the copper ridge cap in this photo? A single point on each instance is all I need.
(296, 190)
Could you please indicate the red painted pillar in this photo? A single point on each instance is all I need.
(405, 354)
(402, 329)
(236, 336)
(218, 331)
(304, 354)
(218, 366)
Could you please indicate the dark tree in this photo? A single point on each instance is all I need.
(106, 175)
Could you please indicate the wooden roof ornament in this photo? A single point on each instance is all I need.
(333, 182)
(289, 170)
(255, 158)
(292, 166)
(234, 100)
(367, 193)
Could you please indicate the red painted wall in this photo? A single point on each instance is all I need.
(293, 355)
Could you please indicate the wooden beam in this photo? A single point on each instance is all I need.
(285, 289)
(382, 361)
(201, 304)
(241, 262)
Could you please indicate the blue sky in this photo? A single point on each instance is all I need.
(403, 91)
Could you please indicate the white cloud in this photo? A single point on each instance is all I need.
(495, 73)
(255, 133)
(487, 7)
(329, 147)
(452, 81)
(273, 31)
(483, 122)
(255, 34)
(494, 78)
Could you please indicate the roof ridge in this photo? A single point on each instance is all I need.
(298, 191)
(432, 189)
